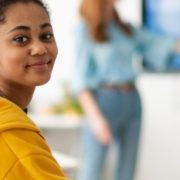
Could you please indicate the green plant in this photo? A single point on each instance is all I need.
(69, 104)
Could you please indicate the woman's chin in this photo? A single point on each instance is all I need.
(41, 81)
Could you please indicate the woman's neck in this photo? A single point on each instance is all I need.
(20, 96)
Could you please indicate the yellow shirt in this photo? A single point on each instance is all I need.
(24, 154)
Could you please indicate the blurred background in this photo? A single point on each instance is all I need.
(61, 118)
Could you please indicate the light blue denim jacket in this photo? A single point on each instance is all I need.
(112, 61)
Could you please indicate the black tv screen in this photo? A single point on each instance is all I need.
(163, 17)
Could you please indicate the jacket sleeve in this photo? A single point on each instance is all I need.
(36, 166)
(157, 50)
(85, 66)
(29, 156)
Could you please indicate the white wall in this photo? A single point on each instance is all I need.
(160, 148)
(130, 10)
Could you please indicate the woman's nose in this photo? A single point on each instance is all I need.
(38, 48)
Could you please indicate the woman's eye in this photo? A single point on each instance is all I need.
(47, 37)
(21, 39)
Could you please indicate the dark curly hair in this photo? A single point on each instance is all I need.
(4, 4)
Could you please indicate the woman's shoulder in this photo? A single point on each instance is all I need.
(81, 27)
(82, 33)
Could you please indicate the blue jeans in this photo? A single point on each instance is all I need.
(123, 112)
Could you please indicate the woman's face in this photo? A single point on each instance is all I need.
(27, 47)
(110, 3)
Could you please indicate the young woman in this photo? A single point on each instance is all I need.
(105, 84)
(27, 54)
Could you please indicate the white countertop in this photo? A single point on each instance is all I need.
(57, 121)
(66, 162)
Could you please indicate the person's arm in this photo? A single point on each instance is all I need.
(157, 50)
(36, 166)
(28, 155)
(97, 120)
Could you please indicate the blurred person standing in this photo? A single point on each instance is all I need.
(105, 85)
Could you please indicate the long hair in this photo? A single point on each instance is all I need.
(93, 12)
(4, 4)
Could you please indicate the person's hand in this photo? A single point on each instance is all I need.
(102, 131)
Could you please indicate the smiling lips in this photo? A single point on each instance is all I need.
(39, 65)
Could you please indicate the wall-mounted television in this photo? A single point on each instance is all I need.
(163, 17)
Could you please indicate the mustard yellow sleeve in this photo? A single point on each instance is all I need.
(34, 167)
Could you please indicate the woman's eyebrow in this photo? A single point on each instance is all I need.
(27, 28)
(42, 26)
(21, 27)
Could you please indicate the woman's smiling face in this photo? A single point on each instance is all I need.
(27, 46)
